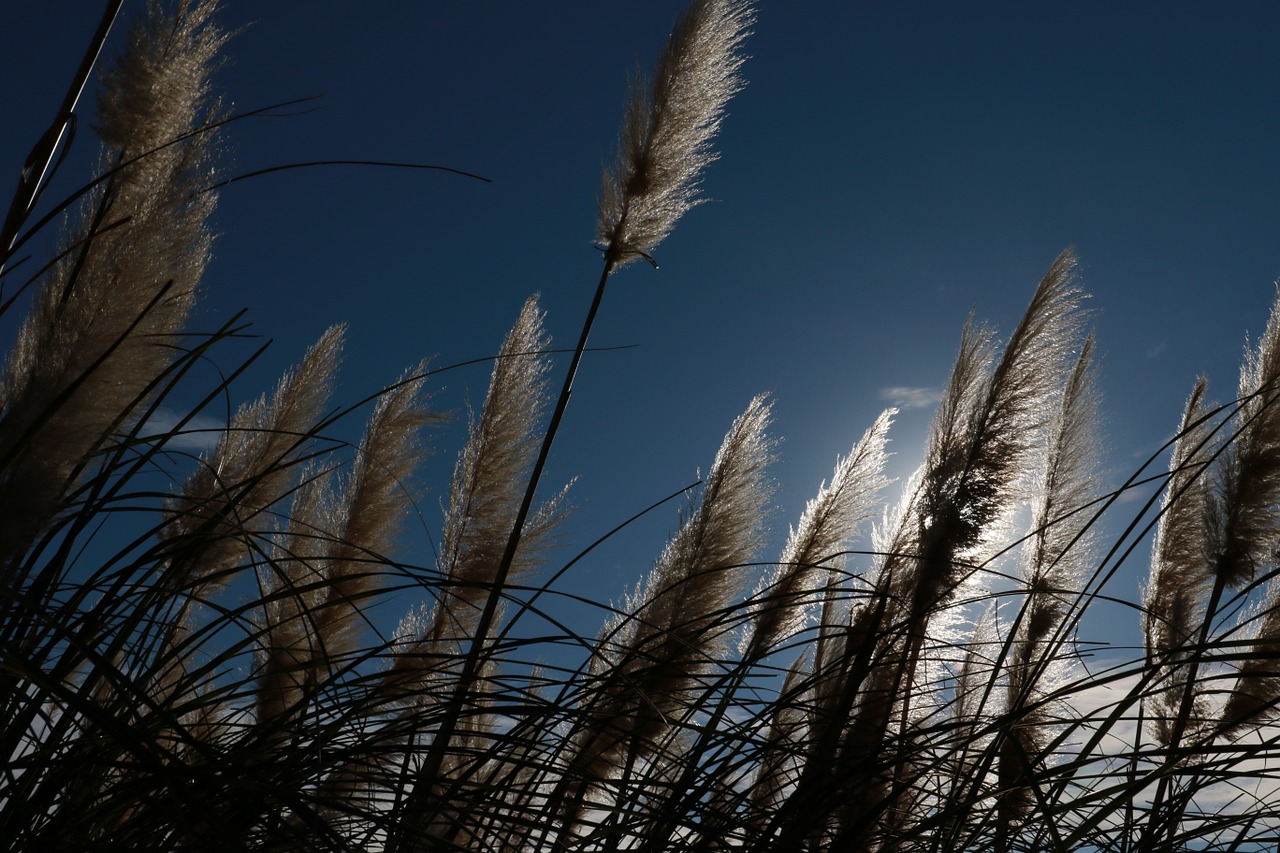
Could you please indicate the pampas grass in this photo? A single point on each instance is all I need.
(666, 133)
(209, 664)
(647, 663)
(125, 278)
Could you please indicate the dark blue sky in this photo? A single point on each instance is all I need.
(889, 168)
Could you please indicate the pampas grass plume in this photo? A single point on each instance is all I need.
(104, 322)
(812, 550)
(668, 127)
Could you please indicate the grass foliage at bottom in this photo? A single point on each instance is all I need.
(194, 651)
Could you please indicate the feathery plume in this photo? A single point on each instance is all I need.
(1238, 535)
(104, 322)
(982, 438)
(1054, 559)
(494, 464)
(293, 587)
(668, 127)
(981, 442)
(1249, 494)
(330, 559)
(375, 506)
(665, 145)
(1176, 587)
(926, 512)
(486, 501)
(781, 745)
(1249, 485)
(160, 88)
(983, 435)
(1255, 695)
(218, 524)
(829, 520)
(646, 661)
(484, 496)
(1174, 597)
(251, 469)
(1179, 598)
(1058, 551)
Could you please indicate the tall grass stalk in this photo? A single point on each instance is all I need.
(194, 650)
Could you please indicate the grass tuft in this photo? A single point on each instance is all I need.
(203, 664)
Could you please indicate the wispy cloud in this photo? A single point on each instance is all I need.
(199, 433)
(1239, 776)
(911, 398)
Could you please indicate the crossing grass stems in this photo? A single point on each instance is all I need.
(214, 679)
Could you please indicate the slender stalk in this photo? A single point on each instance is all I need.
(430, 769)
(526, 503)
(39, 165)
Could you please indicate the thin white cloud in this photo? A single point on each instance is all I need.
(1250, 772)
(911, 398)
(198, 434)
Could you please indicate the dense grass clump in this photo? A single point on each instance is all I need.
(189, 658)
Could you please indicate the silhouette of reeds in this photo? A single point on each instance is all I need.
(206, 665)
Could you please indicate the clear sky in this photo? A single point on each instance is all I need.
(890, 168)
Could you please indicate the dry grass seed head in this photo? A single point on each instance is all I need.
(981, 444)
(493, 466)
(646, 661)
(668, 127)
(1248, 488)
(293, 589)
(811, 553)
(104, 320)
(1179, 575)
(1060, 547)
(1175, 595)
(229, 499)
(373, 509)
(484, 498)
